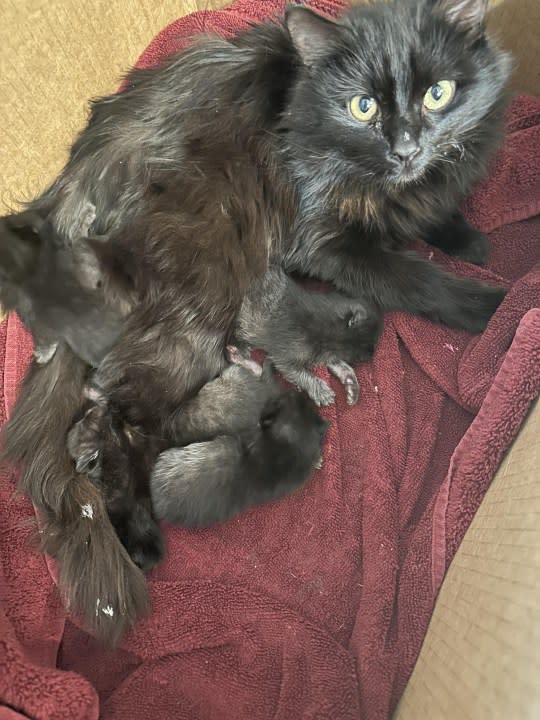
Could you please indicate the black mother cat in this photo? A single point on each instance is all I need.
(325, 147)
(394, 114)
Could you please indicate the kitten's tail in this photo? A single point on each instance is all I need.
(97, 577)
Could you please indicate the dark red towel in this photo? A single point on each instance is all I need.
(315, 606)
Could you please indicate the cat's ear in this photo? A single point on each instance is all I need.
(469, 15)
(310, 33)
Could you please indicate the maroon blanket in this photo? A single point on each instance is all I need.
(314, 606)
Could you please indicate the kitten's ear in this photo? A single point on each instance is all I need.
(310, 33)
(469, 15)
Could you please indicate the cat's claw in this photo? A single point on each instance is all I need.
(347, 377)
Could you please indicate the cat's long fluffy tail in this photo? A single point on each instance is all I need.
(98, 579)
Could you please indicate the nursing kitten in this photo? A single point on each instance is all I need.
(300, 330)
(247, 441)
(50, 288)
(271, 450)
(327, 147)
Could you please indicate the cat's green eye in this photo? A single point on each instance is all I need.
(439, 95)
(363, 108)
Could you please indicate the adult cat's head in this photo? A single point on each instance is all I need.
(396, 93)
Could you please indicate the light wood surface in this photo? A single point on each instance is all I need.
(481, 656)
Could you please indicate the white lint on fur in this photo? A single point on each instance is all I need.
(107, 610)
(87, 511)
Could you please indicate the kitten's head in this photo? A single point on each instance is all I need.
(397, 92)
(292, 426)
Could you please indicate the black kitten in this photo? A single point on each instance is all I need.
(247, 441)
(55, 289)
(261, 445)
(300, 330)
(118, 459)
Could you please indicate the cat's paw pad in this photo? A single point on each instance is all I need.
(347, 377)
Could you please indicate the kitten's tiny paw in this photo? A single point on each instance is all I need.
(321, 394)
(357, 316)
(236, 357)
(142, 537)
(347, 377)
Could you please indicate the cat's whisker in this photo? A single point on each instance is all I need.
(459, 147)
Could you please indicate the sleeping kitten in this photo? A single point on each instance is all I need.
(327, 147)
(271, 450)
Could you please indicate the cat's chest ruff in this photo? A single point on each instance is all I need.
(365, 208)
(400, 216)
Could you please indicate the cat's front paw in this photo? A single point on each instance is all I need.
(475, 249)
(475, 308)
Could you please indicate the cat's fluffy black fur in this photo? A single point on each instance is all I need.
(237, 152)
(361, 201)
